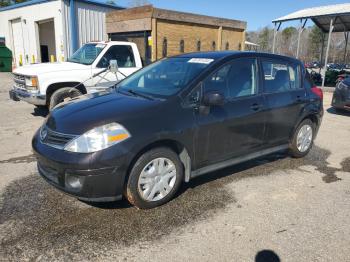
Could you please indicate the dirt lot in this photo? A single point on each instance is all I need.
(297, 210)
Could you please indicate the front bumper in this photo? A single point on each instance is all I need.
(17, 94)
(84, 176)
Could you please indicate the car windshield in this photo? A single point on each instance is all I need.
(86, 54)
(165, 77)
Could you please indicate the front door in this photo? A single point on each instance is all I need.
(237, 127)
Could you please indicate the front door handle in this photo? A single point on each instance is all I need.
(255, 107)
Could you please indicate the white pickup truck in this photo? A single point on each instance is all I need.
(48, 84)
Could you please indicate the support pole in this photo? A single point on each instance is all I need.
(331, 27)
(301, 29)
(346, 34)
(322, 51)
(274, 39)
(275, 30)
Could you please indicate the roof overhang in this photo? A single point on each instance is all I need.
(35, 2)
(322, 17)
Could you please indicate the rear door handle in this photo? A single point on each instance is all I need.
(255, 107)
(299, 99)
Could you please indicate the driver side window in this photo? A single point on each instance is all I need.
(122, 53)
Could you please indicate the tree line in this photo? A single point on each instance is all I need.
(310, 43)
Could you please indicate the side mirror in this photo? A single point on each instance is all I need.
(213, 99)
(113, 66)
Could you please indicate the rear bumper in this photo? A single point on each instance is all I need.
(341, 100)
(32, 98)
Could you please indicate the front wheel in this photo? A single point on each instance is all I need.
(61, 94)
(154, 178)
(302, 139)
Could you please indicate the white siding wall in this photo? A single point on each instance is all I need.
(29, 15)
(90, 26)
(91, 20)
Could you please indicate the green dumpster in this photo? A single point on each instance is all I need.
(5, 59)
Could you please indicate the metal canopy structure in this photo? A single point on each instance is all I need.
(330, 18)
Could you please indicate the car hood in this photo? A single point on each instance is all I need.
(37, 69)
(89, 111)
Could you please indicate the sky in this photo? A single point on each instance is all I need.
(256, 13)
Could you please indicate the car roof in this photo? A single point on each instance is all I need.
(218, 55)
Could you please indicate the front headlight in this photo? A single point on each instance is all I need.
(32, 82)
(98, 138)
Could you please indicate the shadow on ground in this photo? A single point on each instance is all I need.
(34, 217)
(267, 256)
(338, 112)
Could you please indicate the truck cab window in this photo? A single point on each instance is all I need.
(122, 53)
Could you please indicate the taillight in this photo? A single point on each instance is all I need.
(317, 91)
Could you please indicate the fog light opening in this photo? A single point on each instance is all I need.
(74, 182)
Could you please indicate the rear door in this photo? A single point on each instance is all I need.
(285, 97)
(236, 128)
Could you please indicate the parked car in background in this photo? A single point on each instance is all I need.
(342, 77)
(341, 95)
(49, 84)
(311, 65)
(316, 77)
(316, 64)
(177, 119)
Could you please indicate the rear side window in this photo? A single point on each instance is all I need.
(236, 79)
(122, 53)
(280, 76)
(276, 76)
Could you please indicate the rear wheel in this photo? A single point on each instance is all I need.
(61, 94)
(154, 178)
(302, 139)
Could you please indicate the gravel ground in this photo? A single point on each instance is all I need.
(276, 207)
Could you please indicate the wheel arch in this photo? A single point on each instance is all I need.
(175, 146)
(312, 116)
(54, 87)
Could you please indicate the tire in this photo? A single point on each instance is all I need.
(295, 148)
(145, 169)
(41, 107)
(339, 110)
(61, 94)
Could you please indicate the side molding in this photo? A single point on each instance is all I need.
(237, 160)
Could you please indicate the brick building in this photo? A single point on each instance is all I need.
(160, 33)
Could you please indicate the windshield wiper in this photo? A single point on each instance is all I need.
(130, 91)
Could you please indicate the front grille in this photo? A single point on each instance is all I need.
(19, 78)
(54, 139)
(20, 81)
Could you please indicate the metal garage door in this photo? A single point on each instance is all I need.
(17, 38)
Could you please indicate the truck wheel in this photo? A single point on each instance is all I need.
(302, 139)
(61, 94)
(154, 178)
